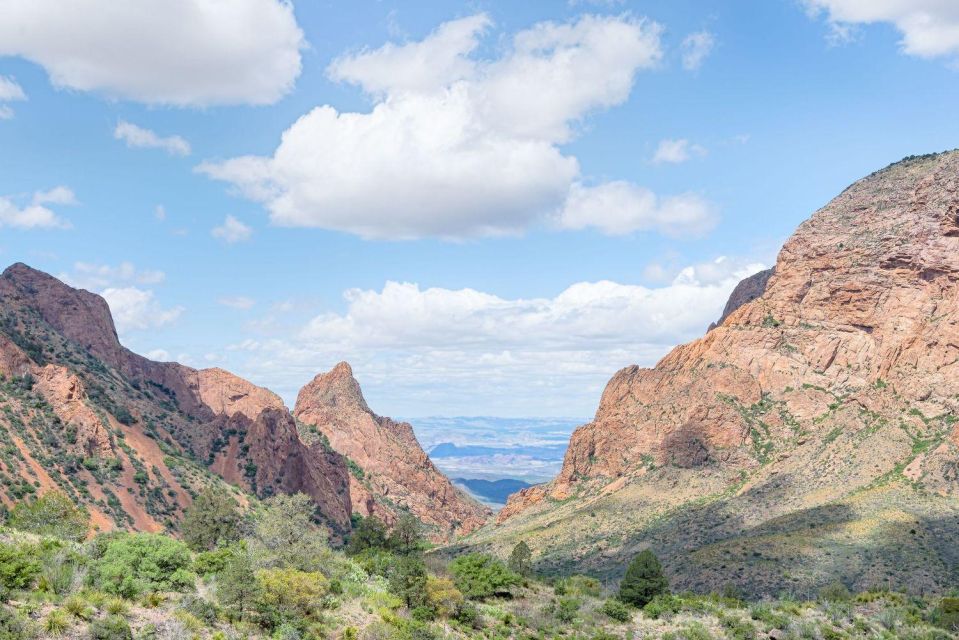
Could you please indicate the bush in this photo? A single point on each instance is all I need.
(442, 596)
(110, 628)
(644, 580)
(210, 562)
(834, 592)
(567, 609)
(289, 594)
(202, 610)
(13, 627)
(616, 610)
(946, 614)
(135, 563)
(480, 576)
(19, 566)
(52, 514)
(662, 605)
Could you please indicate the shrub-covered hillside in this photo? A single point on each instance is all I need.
(270, 573)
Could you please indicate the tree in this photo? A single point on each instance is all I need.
(520, 560)
(481, 576)
(370, 533)
(52, 514)
(237, 586)
(406, 537)
(285, 535)
(408, 580)
(644, 580)
(213, 520)
(287, 595)
(443, 597)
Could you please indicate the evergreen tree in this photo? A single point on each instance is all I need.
(370, 533)
(408, 580)
(213, 520)
(407, 537)
(520, 561)
(644, 580)
(237, 587)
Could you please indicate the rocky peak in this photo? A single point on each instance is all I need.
(391, 472)
(79, 315)
(334, 389)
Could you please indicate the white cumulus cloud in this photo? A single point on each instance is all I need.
(929, 28)
(232, 231)
(619, 208)
(469, 352)
(175, 52)
(455, 145)
(137, 137)
(35, 214)
(137, 309)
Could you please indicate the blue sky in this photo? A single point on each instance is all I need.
(489, 216)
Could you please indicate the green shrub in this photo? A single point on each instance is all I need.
(209, 562)
(946, 614)
(13, 627)
(286, 595)
(19, 566)
(834, 592)
(566, 609)
(644, 580)
(480, 576)
(662, 605)
(135, 563)
(52, 514)
(579, 586)
(110, 628)
(616, 610)
(202, 609)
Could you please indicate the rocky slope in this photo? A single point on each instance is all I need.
(390, 472)
(130, 438)
(810, 437)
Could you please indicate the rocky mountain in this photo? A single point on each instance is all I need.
(810, 437)
(390, 472)
(132, 439)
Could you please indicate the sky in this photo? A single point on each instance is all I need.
(486, 207)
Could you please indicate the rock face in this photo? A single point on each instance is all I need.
(813, 417)
(104, 424)
(390, 471)
(746, 291)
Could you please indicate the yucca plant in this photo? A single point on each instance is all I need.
(78, 608)
(117, 607)
(56, 622)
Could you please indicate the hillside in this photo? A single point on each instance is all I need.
(132, 439)
(810, 437)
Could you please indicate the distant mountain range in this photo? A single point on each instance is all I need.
(450, 450)
(495, 491)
